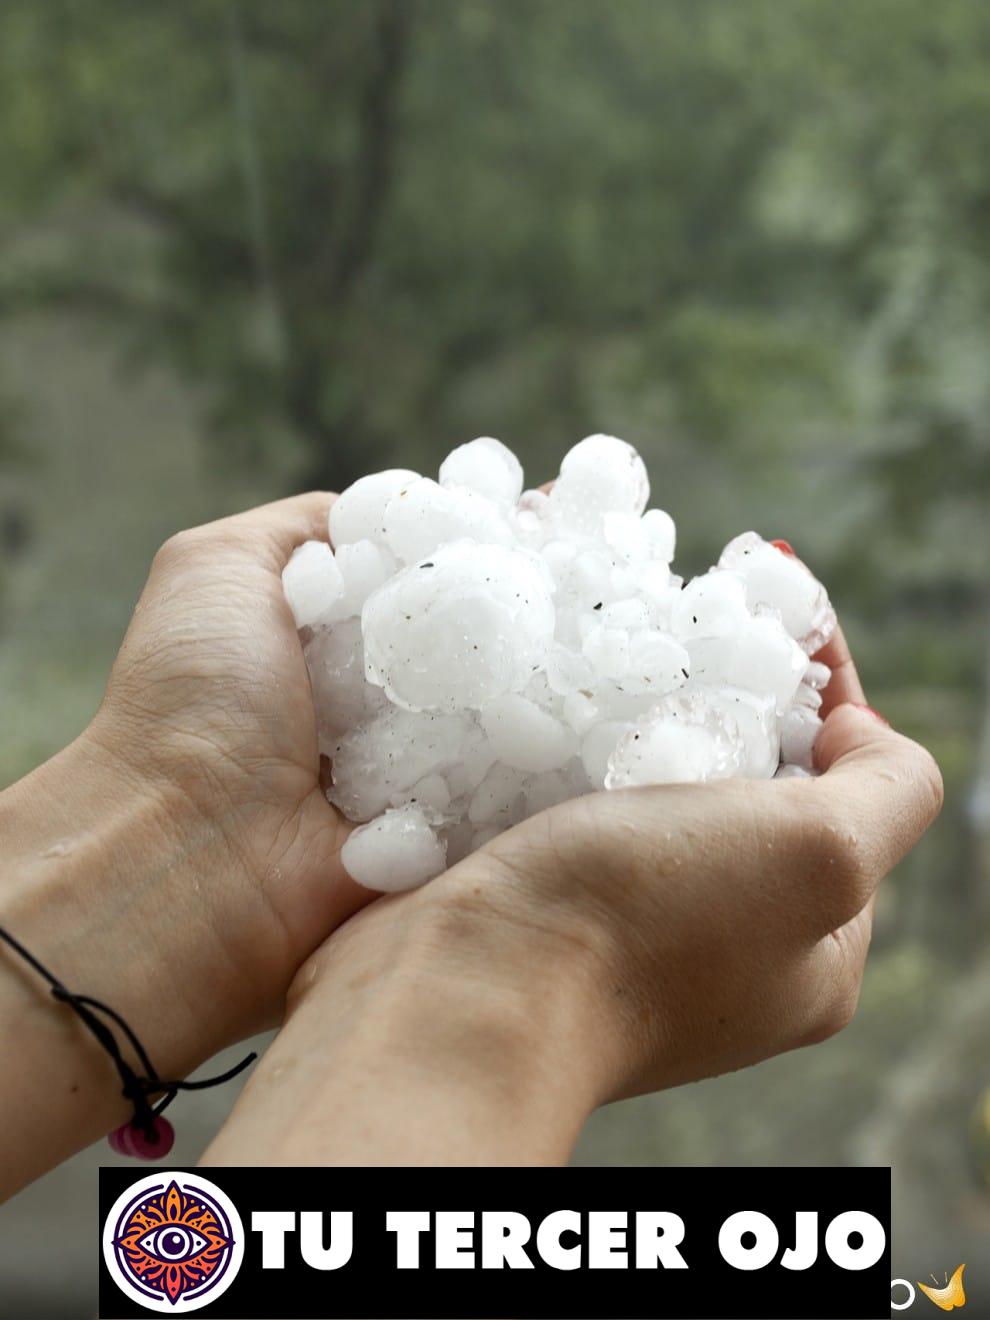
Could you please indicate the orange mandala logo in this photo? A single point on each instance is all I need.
(173, 1242)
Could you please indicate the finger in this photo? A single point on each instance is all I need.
(844, 685)
(284, 524)
(266, 535)
(878, 793)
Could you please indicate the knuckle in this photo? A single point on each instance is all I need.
(178, 547)
(834, 1014)
(841, 1009)
(838, 857)
(930, 780)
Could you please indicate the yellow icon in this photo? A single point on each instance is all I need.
(949, 1297)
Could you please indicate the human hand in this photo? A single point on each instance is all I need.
(617, 943)
(179, 860)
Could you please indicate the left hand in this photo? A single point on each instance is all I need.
(179, 860)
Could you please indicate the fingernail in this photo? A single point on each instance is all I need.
(784, 547)
(861, 705)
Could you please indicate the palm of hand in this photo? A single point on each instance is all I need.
(210, 693)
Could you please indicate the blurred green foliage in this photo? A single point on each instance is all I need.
(748, 236)
(374, 228)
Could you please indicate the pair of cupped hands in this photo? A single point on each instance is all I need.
(181, 862)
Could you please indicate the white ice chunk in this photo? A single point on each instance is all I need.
(598, 745)
(390, 753)
(600, 475)
(487, 466)
(526, 737)
(459, 628)
(685, 739)
(799, 730)
(761, 657)
(357, 514)
(400, 850)
(423, 515)
(364, 566)
(661, 533)
(312, 583)
(342, 695)
(782, 582)
(713, 605)
(477, 654)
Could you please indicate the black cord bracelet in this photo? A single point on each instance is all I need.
(147, 1135)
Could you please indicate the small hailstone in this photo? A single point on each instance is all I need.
(422, 515)
(487, 466)
(818, 675)
(598, 745)
(798, 731)
(496, 795)
(389, 753)
(759, 657)
(312, 583)
(399, 850)
(598, 476)
(342, 695)
(478, 653)
(658, 663)
(713, 605)
(782, 582)
(357, 514)
(661, 533)
(683, 740)
(364, 566)
(526, 737)
(568, 671)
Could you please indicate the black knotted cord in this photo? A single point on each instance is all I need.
(134, 1086)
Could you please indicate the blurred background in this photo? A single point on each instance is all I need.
(251, 247)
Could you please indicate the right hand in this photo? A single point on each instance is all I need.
(618, 943)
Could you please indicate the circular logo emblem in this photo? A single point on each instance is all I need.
(173, 1242)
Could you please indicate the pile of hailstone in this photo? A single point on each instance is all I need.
(478, 653)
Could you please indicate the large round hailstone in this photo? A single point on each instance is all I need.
(487, 466)
(358, 513)
(600, 475)
(781, 582)
(421, 515)
(397, 851)
(685, 739)
(453, 631)
(478, 652)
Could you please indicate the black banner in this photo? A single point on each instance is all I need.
(433, 1244)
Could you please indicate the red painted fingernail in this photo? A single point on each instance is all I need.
(784, 547)
(861, 705)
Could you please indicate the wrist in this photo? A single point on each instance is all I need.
(101, 872)
(421, 1033)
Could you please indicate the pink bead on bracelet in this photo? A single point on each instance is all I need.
(130, 1140)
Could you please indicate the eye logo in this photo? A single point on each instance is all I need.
(173, 1242)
